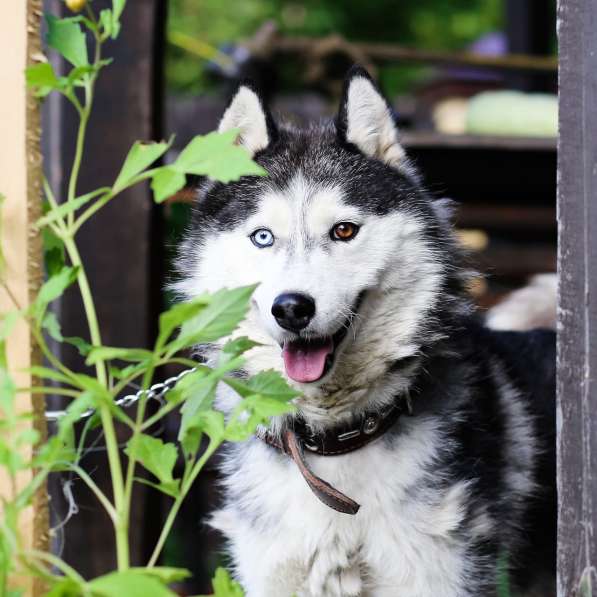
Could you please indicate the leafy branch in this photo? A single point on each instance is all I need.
(207, 319)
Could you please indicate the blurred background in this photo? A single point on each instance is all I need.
(473, 85)
(472, 82)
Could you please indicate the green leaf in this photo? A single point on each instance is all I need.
(27, 436)
(54, 252)
(54, 287)
(266, 383)
(158, 458)
(91, 384)
(66, 587)
(54, 260)
(10, 459)
(267, 407)
(130, 584)
(226, 309)
(242, 424)
(191, 425)
(237, 347)
(67, 38)
(106, 20)
(178, 314)
(46, 373)
(166, 574)
(101, 395)
(117, 8)
(213, 423)
(218, 156)
(7, 386)
(198, 391)
(51, 324)
(106, 353)
(265, 395)
(59, 451)
(224, 586)
(75, 409)
(190, 385)
(81, 345)
(140, 157)
(68, 207)
(166, 182)
(7, 323)
(43, 77)
(129, 370)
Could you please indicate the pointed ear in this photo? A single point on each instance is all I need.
(247, 113)
(365, 120)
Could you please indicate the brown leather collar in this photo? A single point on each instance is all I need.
(333, 442)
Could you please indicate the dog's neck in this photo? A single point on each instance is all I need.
(336, 405)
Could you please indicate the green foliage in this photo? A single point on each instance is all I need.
(159, 459)
(53, 288)
(66, 37)
(427, 24)
(215, 155)
(209, 319)
(224, 586)
(42, 76)
(224, 311)
(139, 158)
(132, 583)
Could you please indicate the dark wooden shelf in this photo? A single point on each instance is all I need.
(431, 140)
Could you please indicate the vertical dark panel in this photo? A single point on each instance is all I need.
(577, 344)
(120, 248)
(530, 27)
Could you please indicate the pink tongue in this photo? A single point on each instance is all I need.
(304, 362)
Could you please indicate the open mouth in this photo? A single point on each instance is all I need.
(309, 359)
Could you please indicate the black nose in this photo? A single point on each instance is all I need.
(293, 311)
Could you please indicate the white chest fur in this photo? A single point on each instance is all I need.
(402, 541)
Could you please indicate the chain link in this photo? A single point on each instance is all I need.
(155, 392)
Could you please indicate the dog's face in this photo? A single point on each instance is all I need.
(349, 253)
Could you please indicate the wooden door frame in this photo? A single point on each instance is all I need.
(20, 182)
(577, 309)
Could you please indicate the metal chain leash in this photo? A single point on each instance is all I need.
(155, 392)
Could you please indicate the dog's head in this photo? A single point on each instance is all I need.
(355, 263)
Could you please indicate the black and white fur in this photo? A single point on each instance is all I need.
(451, 493)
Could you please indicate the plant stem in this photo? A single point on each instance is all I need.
(186, 486)
(96, 490)
(39, 339)
(91, 211)
(110, 194)
(74, 176)
(121, 523)
(133, 442)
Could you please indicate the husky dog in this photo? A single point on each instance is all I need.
(362, 305)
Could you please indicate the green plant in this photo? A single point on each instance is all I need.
(207, 319)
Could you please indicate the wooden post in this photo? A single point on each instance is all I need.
(20, 178)
(577, 344)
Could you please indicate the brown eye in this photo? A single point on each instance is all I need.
(344, 231)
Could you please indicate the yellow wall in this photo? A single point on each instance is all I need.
(19, 183)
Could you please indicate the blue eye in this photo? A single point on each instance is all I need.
(262, 238)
